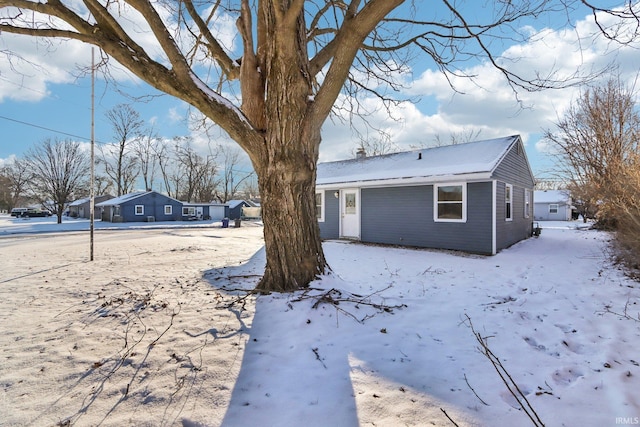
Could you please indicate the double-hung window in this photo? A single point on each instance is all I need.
(168, 209)
(450, 202)
(527, 202)
(139, 209)
(553, 208)
(508, 202)
(320, 206)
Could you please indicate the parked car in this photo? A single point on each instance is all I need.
(32, 213)
(18, 211)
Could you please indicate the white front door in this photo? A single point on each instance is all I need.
(350, 213)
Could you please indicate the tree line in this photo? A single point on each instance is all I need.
(55, 172)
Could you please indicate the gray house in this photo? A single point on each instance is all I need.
(80, 208)
(141, 206)
(475, 197)
(552, 205)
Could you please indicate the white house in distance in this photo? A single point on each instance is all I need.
(552, 205)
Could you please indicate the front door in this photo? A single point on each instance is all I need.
(350, 213)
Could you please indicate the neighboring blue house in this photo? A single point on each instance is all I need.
(553, 205)
(475, 197)
(141, 206)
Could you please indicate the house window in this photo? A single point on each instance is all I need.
(139, 209)
(450, 203)
(527, 202)
(168, 209)
(188, 211)
(320, 206)
(508, 197)
(553, 208)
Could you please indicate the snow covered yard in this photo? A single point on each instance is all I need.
(147, 334)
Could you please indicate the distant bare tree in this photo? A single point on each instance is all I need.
(232, 176)
(596, 145)
(17, 176)
(146, 149)
(465, 135)
(59, 170)
(197, 173)
(119, 159)
(377, 146)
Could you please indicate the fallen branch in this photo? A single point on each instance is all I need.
(474, 392)
(506, 378)
(450, 419)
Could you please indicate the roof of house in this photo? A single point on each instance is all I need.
(469, 160)
(130, 196)
(235, 203)
(86, 200)
(551, 196)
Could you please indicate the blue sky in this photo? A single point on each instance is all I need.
(52, 102)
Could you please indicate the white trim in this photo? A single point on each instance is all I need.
(463, 201)
(527, 203)
(494, 221)
(135, 209)
(322, 205)
(397, 182)
(357, 214)
(170, 212)
(508, 213)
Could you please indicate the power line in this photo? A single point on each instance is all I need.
(48, 129)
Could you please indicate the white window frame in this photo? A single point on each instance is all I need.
(527, 203)
(508, 202)
(139, 209)
(168, 209)
(436, 203)
(188, 211)
(555, 210)
(322, 197)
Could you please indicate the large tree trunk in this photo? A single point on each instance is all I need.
(291, 233)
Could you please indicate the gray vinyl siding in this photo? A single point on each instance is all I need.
(153, 206)
(510, 232)
(514, 168)
(404, 216)
(330, 227)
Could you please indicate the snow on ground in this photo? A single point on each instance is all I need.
(157, 332)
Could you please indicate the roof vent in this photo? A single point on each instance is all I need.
(361, 153)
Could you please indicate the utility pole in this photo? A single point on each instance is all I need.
(93, 142)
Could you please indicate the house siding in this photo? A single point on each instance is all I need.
(330, 227)
(153, 206)
(413, 225)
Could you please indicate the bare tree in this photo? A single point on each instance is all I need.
(232, 176)
(597, 145)
(145, 149)
(197, 173)
(17, 176)
(59, 169)
(297, 58)
(119, 159)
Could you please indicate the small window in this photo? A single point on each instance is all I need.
(553, 208)
(139, 209)
(450, 203)
(508, 202)
(168, 209)
(527, 202)
(320, 206)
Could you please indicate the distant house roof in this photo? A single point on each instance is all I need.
(127, 197)
(235, 203)
(552, 196)
(473, 160)
(84, 200)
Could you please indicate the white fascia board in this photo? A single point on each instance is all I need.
(398, 182)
